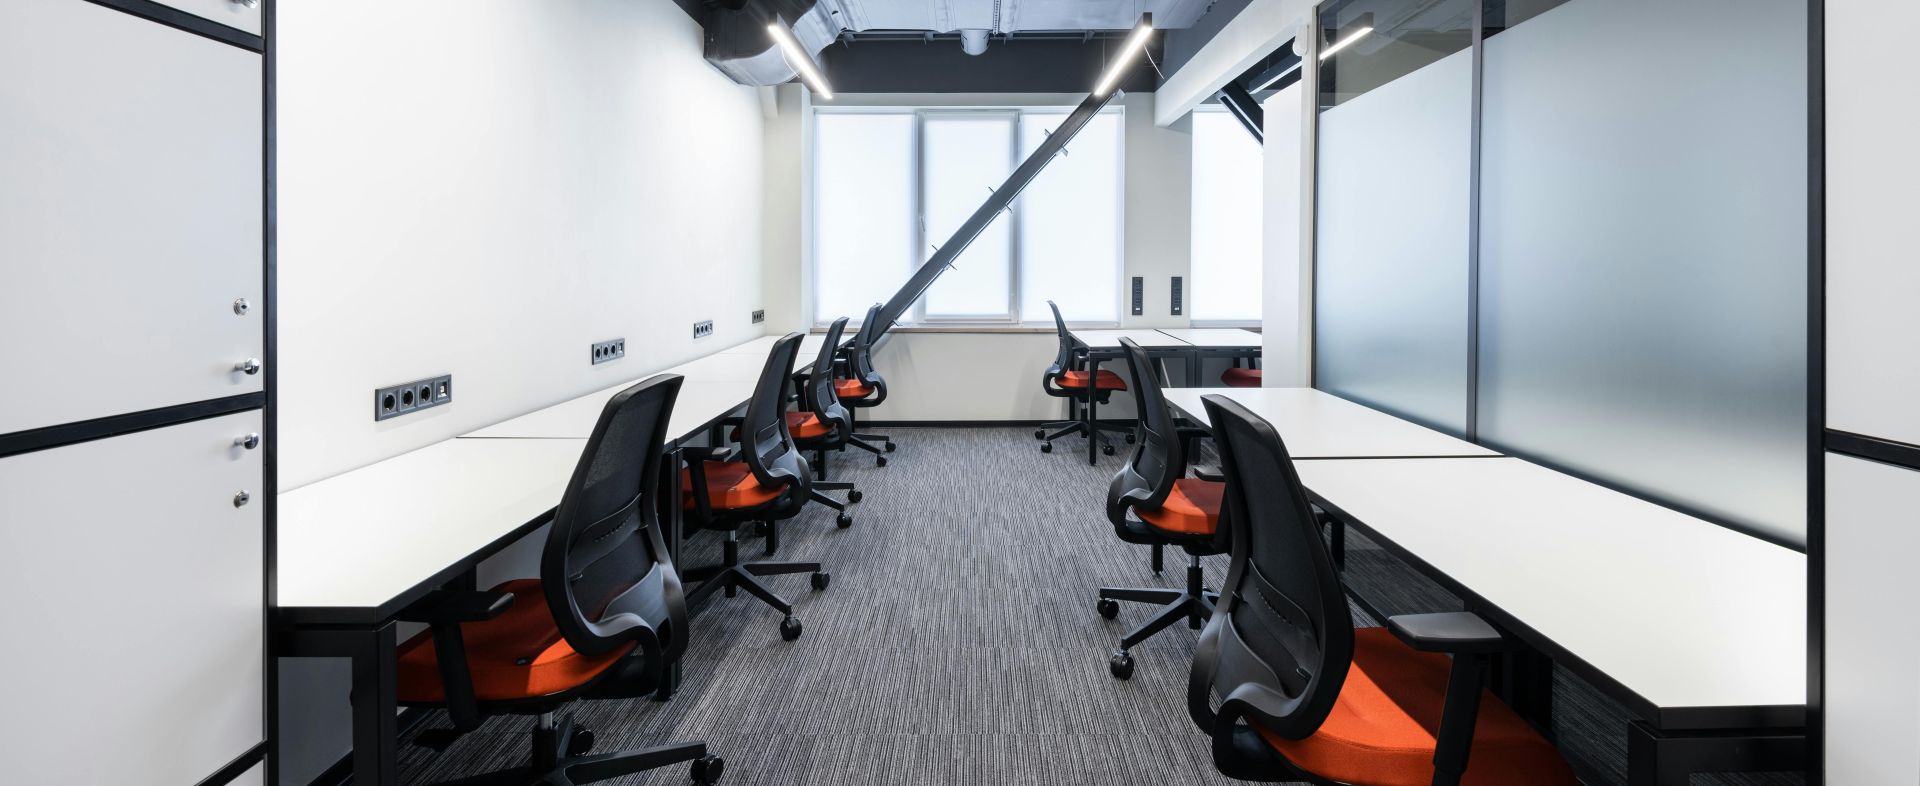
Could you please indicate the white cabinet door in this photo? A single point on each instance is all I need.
(231, 13)
(130, 214)
(133, 589)
(1872, 677)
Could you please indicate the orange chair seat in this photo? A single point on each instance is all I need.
(1192, 508)
(517, 655)
(1241, 378)
(1105, 380)
(851, 388)
(1382, 728)
(731, 485)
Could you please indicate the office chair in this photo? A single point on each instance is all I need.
(858, 386)
(768, 483)
(822, 424)
(1067, 379)
(1238, 377)
(1169, 509)
(604, 620)
(1306, 696)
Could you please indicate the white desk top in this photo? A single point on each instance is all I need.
(759, 347)
(699, 403)
(363, 538)
(1215, 337)
(1680, 611)
(1316, 425)
(1110, 339)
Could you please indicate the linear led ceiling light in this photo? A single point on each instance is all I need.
(1349, 34)
(797, 57)
(1136, 43)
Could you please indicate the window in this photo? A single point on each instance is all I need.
(1225, 279)
(890, 186)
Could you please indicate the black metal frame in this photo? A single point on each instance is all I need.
(1191, 355)
(1817, 391)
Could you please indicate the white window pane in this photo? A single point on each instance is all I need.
(1070, 223)
(966, 156)
(862, 211)
(1225, 283)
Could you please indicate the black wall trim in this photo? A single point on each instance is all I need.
(181, 20)
(119, 425)
(1885, 451)
(237, 767)
(341, 773)
(1816, 390)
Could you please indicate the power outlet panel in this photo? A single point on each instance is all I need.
(703, 328)
(392, 402)
(613, 349)
(1176, 296)
(1139, 295)
(759, 316)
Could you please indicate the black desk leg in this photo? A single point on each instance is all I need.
(376, 727)
(1656, 758)
(1193, 369)
(675, 522)
(1093, 399)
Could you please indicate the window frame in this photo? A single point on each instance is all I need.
(1011, 320)
(1217, 109)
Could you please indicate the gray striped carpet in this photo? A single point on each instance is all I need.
(958, 643)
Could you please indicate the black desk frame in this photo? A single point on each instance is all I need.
(1191, 355)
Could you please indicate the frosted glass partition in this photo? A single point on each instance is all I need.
(863, 210)
(1643, 250)
(1390, 259)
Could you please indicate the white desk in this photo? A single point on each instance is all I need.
(1110, 339)
(1223, 338)
(1695, 625)
(1316, 425)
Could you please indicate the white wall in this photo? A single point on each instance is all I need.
(485, 189)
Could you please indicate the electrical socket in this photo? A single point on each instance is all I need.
(703, 328)
(397, 400)
(1176, 296)
(759, 316)
(613, 349)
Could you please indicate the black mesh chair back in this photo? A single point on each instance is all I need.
(605, 569)
(1282, 620)
(1160, 457)
(818, 396)
(765, 444)
(1063, 361)
(860, 357)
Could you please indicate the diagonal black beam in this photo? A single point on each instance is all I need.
(1002, 197)
(1241, 105)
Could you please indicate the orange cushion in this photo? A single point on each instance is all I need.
(1241, 378)
(731, 485)
(851, 388)
(802, 425)
(1106, 380)
(1192, 508)
(1382, 728)
(519, 654)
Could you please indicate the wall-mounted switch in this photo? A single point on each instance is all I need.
(703, 328)
(613, 349)
(1176, 296)
(392, 402)
(759, 316)
(1139, 295)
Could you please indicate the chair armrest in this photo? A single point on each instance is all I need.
(445, 610)
(451, 607)
(1454, 632)
(1209, 473)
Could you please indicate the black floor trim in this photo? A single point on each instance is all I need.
(120, 425)
(1885, 451)
(237, 767)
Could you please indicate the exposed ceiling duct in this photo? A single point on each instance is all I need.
(738, 43)
(973, 40)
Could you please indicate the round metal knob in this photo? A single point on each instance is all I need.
(250, 366)
(247, 3)
(241, 306)
(249, 441)
(241, 499)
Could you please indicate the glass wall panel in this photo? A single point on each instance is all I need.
(862, 210)
(1643, 250)
(1070, 223)
(1393, 184)
(967, 156)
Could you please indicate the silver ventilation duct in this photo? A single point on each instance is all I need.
(973, 41)
(738, 43)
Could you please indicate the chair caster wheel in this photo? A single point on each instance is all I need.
(843, 520)
(879, 461)
(1106, 450)
(854, 495)
(707, 770)
(581, 742)
(1039, 433)
(1130, 439)
(1046, 447)
(890, 446)
(1109, 608)
(820, 582)
(1121, 664)
(790, 628)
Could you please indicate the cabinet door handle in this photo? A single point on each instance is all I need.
(241, 499)
(247, 3)
(248, 441)
(250, 366)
